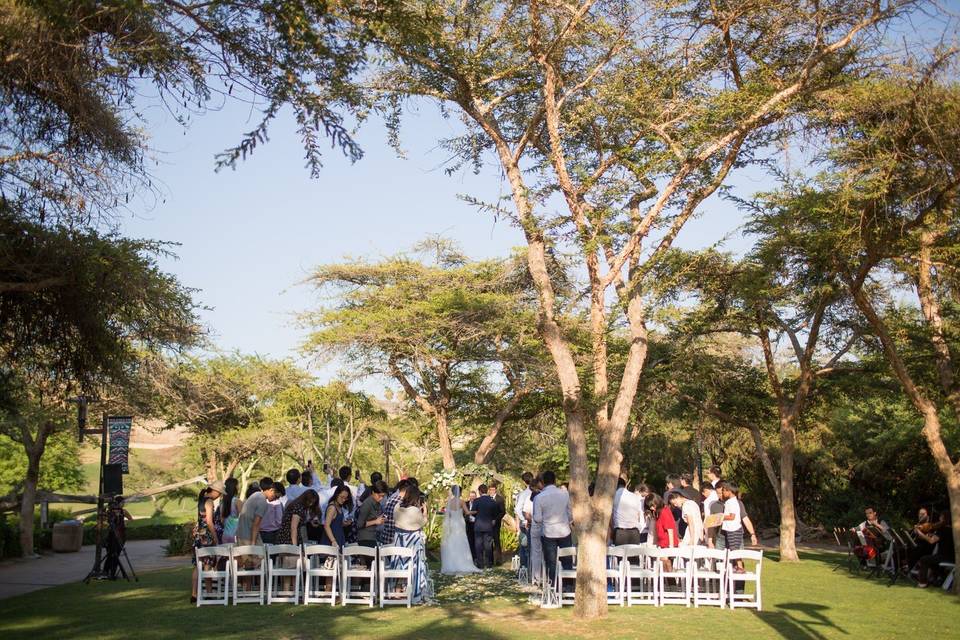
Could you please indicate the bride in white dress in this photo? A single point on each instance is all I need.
(455, 556)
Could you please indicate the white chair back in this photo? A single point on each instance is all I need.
(673, 581)
(744, 599)
(616, 570)
(318, 574)
(709, 567)
(213, 584)
(249, 568)
(396, 567)
(640, 578)
(354, 571)
(566, 575)
(284, 568)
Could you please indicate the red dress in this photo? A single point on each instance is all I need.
(665, 523)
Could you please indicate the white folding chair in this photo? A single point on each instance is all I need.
(244, 576)
(640, 576)
(615, 572)
(740, 600)
(278, 557)
(317, 573)
(564, 575)
(948, 581)
(218, 576)
(401, 571)
(709, 576)
(355, 571)
(680, 572)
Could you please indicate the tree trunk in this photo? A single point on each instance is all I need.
(788, 513)
(489, 443)
(211, 466)
(28, 502)
(443, 435)
(953, 491)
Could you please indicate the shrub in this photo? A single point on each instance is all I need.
(179, 539)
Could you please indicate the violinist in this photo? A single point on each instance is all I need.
(929, 565)
(924, 533)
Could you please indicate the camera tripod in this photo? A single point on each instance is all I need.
(104, 568)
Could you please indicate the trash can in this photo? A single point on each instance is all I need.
(67, 536)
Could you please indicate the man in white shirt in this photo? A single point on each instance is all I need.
(713, 476)
(523, 529)
(690, 514)
(628, 521)
(551, 510)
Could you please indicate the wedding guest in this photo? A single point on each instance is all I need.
(370, 515)
(295, 516)
(253, 512)
(688, 490)
(647, 525)
(690, 513)
(551, 510)
(744, 516)
(522, 527)
(375, 477)
(333, 533)
(731, 531)
(344, 474)
(252, 488)
(714, 476)
(673, 484)
(208, 528)
(230, 506)
(666, 527)
(387, 530)
(711, 505)
(294, 489)
(411, 516)
(271, 522)
(628, 521)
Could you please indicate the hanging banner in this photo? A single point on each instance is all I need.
(118, 427)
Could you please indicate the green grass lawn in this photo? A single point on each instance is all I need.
(807, 601)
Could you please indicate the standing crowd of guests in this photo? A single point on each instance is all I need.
(678, 517)
(316, 508)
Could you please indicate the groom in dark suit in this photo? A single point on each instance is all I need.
(487, 511)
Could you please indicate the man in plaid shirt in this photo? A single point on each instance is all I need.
(389, 527)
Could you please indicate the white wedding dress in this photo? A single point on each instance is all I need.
(455, 556)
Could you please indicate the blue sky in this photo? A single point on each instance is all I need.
(249, 236)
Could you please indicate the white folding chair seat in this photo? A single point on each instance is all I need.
(680, 572)
(709, 577)
(393, 556)
(740, 600)
(615, 572)
(248, 582)
(317, 573)
(278, 556)
(353, 571)
(564, 575)
(218, 577)
(640, 576)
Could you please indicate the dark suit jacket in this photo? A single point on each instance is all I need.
(501, 510)
(487, 512)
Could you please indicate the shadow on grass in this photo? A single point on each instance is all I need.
(800, 620)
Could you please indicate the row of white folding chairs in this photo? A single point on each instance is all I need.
(637, 575)
(312, 575)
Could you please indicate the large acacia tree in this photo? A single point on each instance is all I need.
(611, 122)
(451, 334)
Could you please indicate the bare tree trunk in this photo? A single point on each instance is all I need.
(34, 448)
(788, 513)
(489, 443)
(443, 435)
(211, 466)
